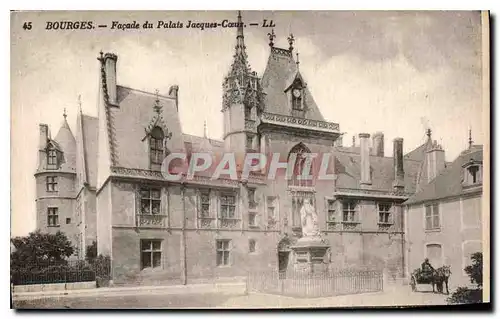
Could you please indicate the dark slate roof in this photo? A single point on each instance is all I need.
(348, 164)
(130, 121)
(449, 182)
(67, 143)
(195, 143)
(90, 141)
(280, 70)
(418, 154)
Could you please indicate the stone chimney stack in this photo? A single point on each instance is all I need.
(435, 161)
(364, 141)
(174, 92)
(110, 60)
(378, 144)
(399, 173)
(44, 136)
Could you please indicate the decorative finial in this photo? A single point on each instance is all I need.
(80, 103)
(354, 141)
(291, 40)
(297, 62)
(205, 129)
(64, 114)
(428, 133)
(157, 106)
(470, 138)
(271, 36)
(100, 54)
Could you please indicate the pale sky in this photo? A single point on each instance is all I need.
(396, 72)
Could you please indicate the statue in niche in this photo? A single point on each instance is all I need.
(309, 220)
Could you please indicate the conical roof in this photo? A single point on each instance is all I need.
(67, 143)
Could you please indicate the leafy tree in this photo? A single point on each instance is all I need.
(91, 252)
(38, 248)
(475, 271)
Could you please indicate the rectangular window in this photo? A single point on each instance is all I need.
(223, 251)
(205, 204)
(52, 159)
(227, 206)
(52, 216)
(271, 207)
(249, 143)
(68, 220)
(150, 253)
(150, 201)
(251, 245)
(330, 210)
(432, 220)
(251, 198)
(384, 214)
(252, 219)
(349, 212)
(51, 183)
(156, 150)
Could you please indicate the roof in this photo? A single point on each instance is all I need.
(418, 154)
(280, 70)
(202, 144)
(348, 164)
(67, 143)
(132, 118)
(449, 182)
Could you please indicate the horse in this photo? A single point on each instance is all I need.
(440, 276)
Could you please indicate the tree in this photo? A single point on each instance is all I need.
(40, 247)
(91, 252)
(475, 271)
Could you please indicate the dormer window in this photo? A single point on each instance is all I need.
(472, 173)
(297, 99)
(156, 149)
(52, 161)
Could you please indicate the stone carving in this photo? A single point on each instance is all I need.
(309, 220)
(285, 119)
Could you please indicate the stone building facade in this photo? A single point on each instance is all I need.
(159, 230)
(444, 219)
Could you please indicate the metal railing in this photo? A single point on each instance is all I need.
(323, 284)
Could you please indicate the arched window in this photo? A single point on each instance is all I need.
(300, 166)
(156, 149)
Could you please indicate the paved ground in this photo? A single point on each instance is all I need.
(392, 296)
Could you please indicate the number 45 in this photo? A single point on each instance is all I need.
(27, 26)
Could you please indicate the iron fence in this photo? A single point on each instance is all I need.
(65, 271)
(322, 284)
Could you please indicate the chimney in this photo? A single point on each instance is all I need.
(174, 92)
(399, 173)
(44, 136)
(378, 144)
(110, 68)
(364, 140)
(435, 161)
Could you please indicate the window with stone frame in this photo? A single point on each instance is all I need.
(204, 204)
(156, 148)
(251, 245)
(51, 183)
(271, 207)
(252, 219)
(331, 212)
(223, 251)
(249, 142)
(251, 198)
(432, 217)
(151, 253)
(150, 201)
(472, 173)
(52, 159)
(227, 206)
(52, 216)
(303, 162)
(349, 212)
(384, 213)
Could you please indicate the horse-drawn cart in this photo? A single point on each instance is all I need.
(435, 278)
